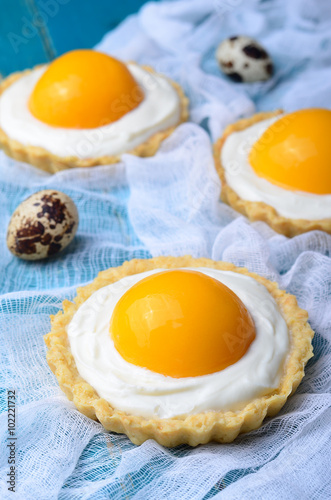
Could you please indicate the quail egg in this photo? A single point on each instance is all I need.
(42, 225)
(243, 59)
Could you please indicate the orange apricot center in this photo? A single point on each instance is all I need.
(84, 89)
(181, 323)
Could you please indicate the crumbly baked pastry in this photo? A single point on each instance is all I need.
(220, 426)
(258, 210)
(52, 163)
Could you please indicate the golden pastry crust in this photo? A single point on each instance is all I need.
(221, 426)
(258, 210)
(43, 159)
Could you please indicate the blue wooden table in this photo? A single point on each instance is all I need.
(36, 31)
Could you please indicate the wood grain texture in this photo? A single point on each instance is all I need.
(36, 31)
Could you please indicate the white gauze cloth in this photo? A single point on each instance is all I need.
(165, 205)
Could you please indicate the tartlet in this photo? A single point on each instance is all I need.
(49, 162)
(259, 210)
(220, 426)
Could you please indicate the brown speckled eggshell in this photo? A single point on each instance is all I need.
(243, 59)
(42, 225)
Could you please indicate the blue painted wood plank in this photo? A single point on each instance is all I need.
(20, 44)
(82, 24)
(36, 31)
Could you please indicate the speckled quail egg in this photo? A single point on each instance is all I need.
(42, 225)
(243, 59)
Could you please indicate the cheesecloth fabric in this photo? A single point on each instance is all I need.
(169, 205)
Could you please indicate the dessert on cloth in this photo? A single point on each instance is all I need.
(180, 350)
(87, 108)
(66, 454)
(275, 167)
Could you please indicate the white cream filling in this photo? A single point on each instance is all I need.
(159, 110)
(139, 391)
(241, 177)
